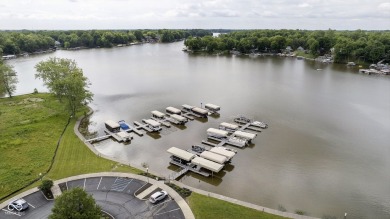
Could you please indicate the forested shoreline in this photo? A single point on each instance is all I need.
(27, 41)
(344, 46)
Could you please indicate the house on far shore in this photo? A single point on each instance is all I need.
(57, 44)
(288, 50)
(300, 49)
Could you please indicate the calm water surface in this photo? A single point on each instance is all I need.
(327, 148)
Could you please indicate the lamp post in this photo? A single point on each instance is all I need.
(345, 216)
(147, 173)
(40, 176)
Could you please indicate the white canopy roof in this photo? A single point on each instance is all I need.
(180, 153)
(212, 106)
(229, 125)
(200, 110)
(158, 113)
(213, 157)
(173, 110)
(207, 164)
(152, 122)
(178, 118)
(245, 135)
(186, 106)
(213, 131)
(112, 124)
(221, 151)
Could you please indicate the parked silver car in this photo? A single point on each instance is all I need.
(18, 205)
(158, 196)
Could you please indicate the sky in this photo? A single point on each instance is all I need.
(188, 14)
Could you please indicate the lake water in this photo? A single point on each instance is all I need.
(327, 148)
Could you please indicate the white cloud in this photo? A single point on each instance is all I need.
(103, 14)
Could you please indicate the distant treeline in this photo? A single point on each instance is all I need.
(17, 42)
(359, 45)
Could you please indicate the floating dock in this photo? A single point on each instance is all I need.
(142, 126)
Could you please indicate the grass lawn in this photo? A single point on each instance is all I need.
(207, 207)
(29, 130)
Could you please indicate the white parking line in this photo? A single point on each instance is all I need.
(99, 183)
(31, 205)
(10, 212)
(168, 211)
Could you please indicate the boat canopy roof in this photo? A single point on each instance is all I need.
(207, 164)
(123, 134)
(221, 151)
(158, 113)
(178, 118)
(212, 106)
(180, 153)
(217, 132)
(112, 124)
(173, 110)
(246, 135)
(200, 110)
(152, 122)
(186, 106)
(213, 157)
(229, 125)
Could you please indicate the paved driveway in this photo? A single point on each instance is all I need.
(115, 195)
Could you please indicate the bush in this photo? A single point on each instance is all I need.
(46, 185)
(35, 91)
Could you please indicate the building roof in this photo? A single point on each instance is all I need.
(245, 135)
(180, 153)
(152, 122)
(173, 110)
(213, 157)
(207, 164)
(112, 124)
(221, 151)
(217, 132)
(229, 125)
(158, 113)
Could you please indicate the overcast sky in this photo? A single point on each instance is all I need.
(227, 14)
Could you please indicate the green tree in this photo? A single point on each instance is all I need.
(66, 81)
(75, 204)
(8, 79)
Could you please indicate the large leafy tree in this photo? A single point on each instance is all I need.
(66, 81)
(8, 79)
(75, 204)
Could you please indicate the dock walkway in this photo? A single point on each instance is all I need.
(222, 142)
(142, 126)
(164, 122)
(185, 169)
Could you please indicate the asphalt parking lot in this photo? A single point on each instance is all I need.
(115, 195)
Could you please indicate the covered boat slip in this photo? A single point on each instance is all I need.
(112, 126)
(207, 164)
(228, 127)
(200, 112)
(158, 114)
(173, 110)
(212, 107)
(187, 107)
(212, 132)
(177, 119)
(245, 135)
(221, 151)
(182, 154)
(214, 157)
(151, 122)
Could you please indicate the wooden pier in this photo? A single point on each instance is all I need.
(248, 126)
(100, 138)
(224, 141)
(185, 169)
(142, 126)
(163, 122)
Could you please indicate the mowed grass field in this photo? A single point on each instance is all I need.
(205, 207)
(30, 126)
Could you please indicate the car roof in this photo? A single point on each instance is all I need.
(157, 194)
(19, 201)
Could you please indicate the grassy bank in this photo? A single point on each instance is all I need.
(207, 207)
(29, 130)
